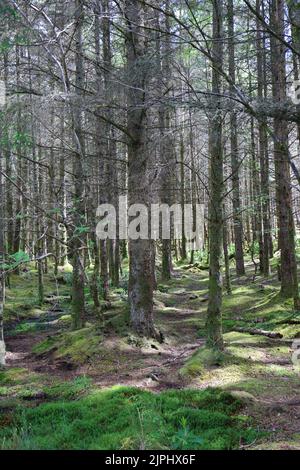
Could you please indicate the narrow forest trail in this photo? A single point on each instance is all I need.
(158, 364)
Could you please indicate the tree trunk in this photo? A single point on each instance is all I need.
(140, 289)
(263, 151)
(214, 314)
(78, 301)
(235, 163)
(286, 235)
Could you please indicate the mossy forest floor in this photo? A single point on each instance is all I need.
(104, 388)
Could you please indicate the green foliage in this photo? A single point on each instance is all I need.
(162, 288)
(5, 45)
(70, 390)
(130, 418)
(68, 278)
(185, 438)
(21, 139)
(26, 327)
(15, 260)
(81, 229)
(6, 10)
(12, 376)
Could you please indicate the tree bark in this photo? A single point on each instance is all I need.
(214, 314)
(235, 163)
(286, 235)
(140, 289)
(78, 300)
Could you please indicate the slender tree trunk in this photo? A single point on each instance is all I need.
(78, 301)
(226, 257)
(235, 163)
(214, 314)
(256, 201)
(182, 199)
(263, 150)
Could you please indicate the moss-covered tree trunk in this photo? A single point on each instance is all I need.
(77, 246)
(214, 314)
(140, 289)
(286, 235)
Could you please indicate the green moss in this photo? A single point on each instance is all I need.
(70, 389)
(15, 375)
(129, 418)
(244, 338)
(77, 345)
(201, 360)
(65, 320)
(22, 296)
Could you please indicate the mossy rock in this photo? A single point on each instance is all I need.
(200, 361)
(243, 396)
(77, 345)
(65, 320)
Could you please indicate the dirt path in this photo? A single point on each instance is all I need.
(152, 366)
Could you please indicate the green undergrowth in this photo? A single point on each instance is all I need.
(22, 296)
(253, 364)
(130, 418)
(19, 385)
(262, 307)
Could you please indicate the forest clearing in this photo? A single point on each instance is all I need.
(149, 225)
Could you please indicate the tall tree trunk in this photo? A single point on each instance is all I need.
(263, 149)
(214, 314)
(256, 200)
(226, 256)
(182, 199)
(286, 235)
(235, 163)
(102, 139)
(166, 144)
(140, 289)
(78, 301)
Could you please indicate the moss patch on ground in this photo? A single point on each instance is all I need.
(129, 418)
(77, 345)
(200, 362)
